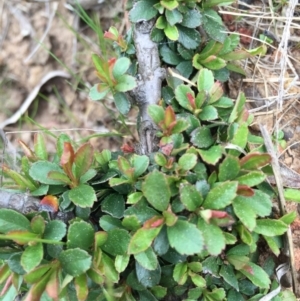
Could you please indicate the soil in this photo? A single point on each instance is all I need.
(37, 39)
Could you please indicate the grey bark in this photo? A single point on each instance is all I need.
(18, 201)
(148, 91)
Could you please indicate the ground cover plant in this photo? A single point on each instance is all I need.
(180, 215)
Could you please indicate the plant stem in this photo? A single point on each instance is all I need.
(150, 76)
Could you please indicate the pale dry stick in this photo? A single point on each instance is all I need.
(284, 46)
(40, 42)
(25, 26)
(32, 95)
(282, 202)
(3, 31)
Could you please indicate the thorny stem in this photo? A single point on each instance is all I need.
(150, 76)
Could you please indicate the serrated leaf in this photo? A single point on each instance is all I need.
(187, 161)
(228, 275)
(256, 275)
(173, 16)
(75, 261)
(32, 256)
(212, 155)
(190, 197)
(205, 80)
(212, 27)
(180, 274)
(11, 220)
(156, 190)
(185, 238)
(202, 137)
(244, 212)
(142, 240)
(114, 205)
(80, 235)
(270, 227)
(117, 242)
(55, 230)
(191, 19)
(157, 113)
(208, 113)
(147, 259)
(143, 10)
(188, 37)
(169, 56)
(181, 94)
(229, 168)
(251, 178)
(220, 196)
(83, 195)
(214, 239)
(39, 171)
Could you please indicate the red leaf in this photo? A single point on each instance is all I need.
(218, 214)
(245, 190)
(154, 222)
(67, 159)
(191, 100)
(49, 203)
(126, 148)
(7, 285)
(170, 116)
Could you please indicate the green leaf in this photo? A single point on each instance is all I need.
(38, 224)
(229, 168)
(187, 161)
(90, 174)
(157, 113)
(140, 164)
(191, 19)
(188, 37)
(220, 196)
(260, 202)
(143, 10)
(146, 277)
(169, 4)
(171, 32)
(117, 242)
(181, 93)
(217, 294)
(253, 161)
(59, 176)
(198, 280)
(133, 198)
(37, 273)
(214, 239)
(109, 269)
(81, 287)
(75, 261)
(40, 146)
(205, 80)
(125, 83)
(213, 27)
(292, 194)
(228, 275)
(256, 275)
(190, 197)
(240, 138)
(173, 16)
(169, 56)
(147, 259)
(108, 222)
(208, 113)
(121, 262)
(83, 159)
(212, 155)
(55, 230)
(243, 209)
(270, 227)
(122, 103)
(114, 205)
(83, 196)
(180, 274)
(39, 171)
(251, 178)
(80, 235)
(185, 238)
(273, 244)
(142, 240)
(11, 220)
(288, 218)
(120, 67)
(96, 95)
(32, 256)
(201, 137)
(156, 190)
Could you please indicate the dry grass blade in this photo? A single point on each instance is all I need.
(282, 204)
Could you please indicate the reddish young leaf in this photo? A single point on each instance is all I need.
(126, 148)
(27, 151)
(4, 272)
(245, 190)
(255, 160)
(52, 287)
(191, 100)
(81, 287)
(67, 159)
(7, 285)
(49, 203)
(170, 117)
(154, 222)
